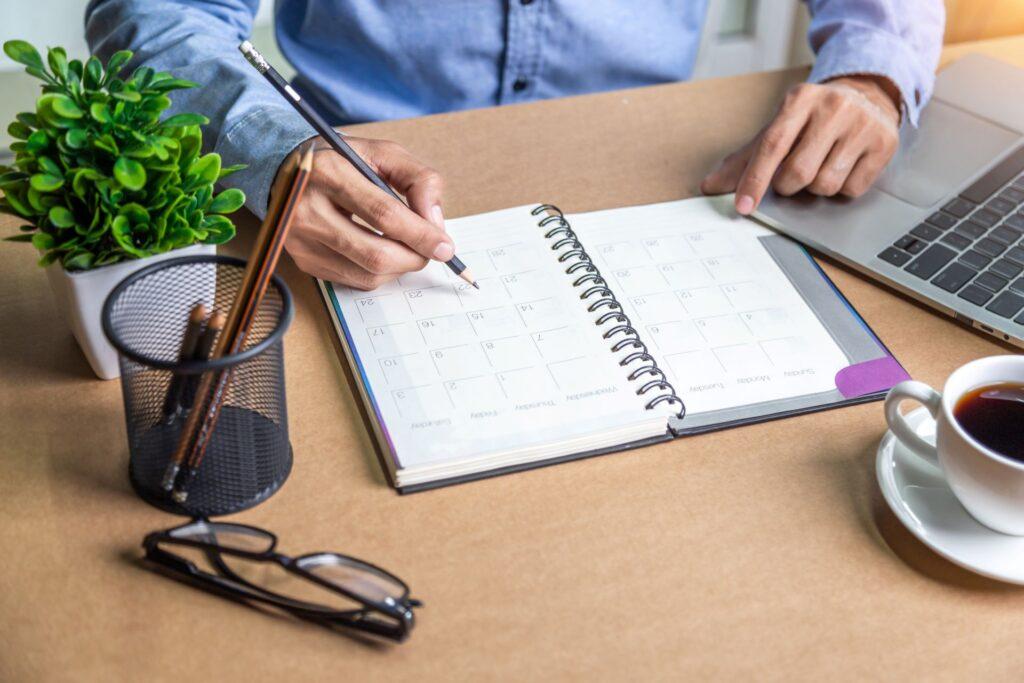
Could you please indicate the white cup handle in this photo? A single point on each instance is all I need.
(924, 394)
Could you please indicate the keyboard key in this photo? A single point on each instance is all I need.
(975, 294)
(1019, 319)
(944, 221)
(1006, 268)
(926, 232)
(971, 229)
(985, 186)
(1016, 254)
(1017, 286)
(1014, 195)
(1006, 304)
(954, 277)
(930, 261)
(956, 240)
(975, 260)
(1019, 183)
(1000, 206)
(1016, 221)
(1005, 235)
(911, 244)
(959, 207)
(989, 247)
(985, 217)
(990, 281)
(894, 256)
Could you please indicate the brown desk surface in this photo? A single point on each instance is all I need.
(764, 550)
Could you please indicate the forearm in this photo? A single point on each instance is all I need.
(898, 41)
(197, 39)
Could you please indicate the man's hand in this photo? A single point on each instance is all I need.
(328, 243)
(829, 139)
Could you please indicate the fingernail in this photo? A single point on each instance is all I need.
(744, 204)
(437, 216)
(444, 251)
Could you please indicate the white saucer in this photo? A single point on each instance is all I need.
(918, 494)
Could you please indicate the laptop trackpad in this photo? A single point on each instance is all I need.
(940, 156)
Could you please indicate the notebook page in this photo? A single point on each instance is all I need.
(455, 373)
(721, 318)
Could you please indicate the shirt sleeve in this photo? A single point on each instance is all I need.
(900, 41)
(198, 40)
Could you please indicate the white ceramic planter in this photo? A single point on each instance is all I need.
(80, 298)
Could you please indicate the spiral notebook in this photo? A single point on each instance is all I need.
(597, 332)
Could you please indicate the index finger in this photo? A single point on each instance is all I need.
(772, 147)
(355, 194)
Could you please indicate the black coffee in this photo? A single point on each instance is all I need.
(994, 415)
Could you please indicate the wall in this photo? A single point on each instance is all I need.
(981, 19)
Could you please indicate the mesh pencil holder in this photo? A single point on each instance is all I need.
(249, 456)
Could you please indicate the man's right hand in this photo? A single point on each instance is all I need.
(328, 243)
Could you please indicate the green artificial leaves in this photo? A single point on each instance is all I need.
(98, 176)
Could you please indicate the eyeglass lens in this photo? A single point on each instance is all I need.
(353, 576)
(226, 536)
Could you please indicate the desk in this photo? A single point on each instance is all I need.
(762, 551)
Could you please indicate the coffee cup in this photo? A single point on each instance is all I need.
(989, 484)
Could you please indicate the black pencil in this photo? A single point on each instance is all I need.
(332, 138)
(189, 341)
(202, 352)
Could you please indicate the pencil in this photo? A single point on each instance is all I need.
(189, 341)
(243, 312)
(333, 139)
(203, 350)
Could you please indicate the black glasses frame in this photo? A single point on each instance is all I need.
(390, 618)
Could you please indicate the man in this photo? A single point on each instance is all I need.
(364, 60)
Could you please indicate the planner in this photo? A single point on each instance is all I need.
(596, 332)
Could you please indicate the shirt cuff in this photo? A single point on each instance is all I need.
(262, 139)
(863, 51)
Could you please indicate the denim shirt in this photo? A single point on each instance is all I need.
(366, 60)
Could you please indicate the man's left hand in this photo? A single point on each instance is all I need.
(829, 139)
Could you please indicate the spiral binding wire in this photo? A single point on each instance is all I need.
(601, 299)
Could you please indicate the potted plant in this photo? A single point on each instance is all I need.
(105, 186)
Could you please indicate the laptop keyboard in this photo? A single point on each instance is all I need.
(973, 247)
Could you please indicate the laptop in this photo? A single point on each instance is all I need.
(945, 221)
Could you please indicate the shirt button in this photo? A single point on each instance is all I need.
(520, 84)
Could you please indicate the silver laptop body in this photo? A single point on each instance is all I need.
(945, 222)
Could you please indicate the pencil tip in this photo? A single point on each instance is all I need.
(476, 285)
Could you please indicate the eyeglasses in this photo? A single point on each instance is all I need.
(238, 562)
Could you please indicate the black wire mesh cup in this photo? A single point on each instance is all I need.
(248, 457)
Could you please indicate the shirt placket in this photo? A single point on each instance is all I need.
(522, 51)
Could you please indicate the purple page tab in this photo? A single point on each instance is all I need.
(869, 377)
